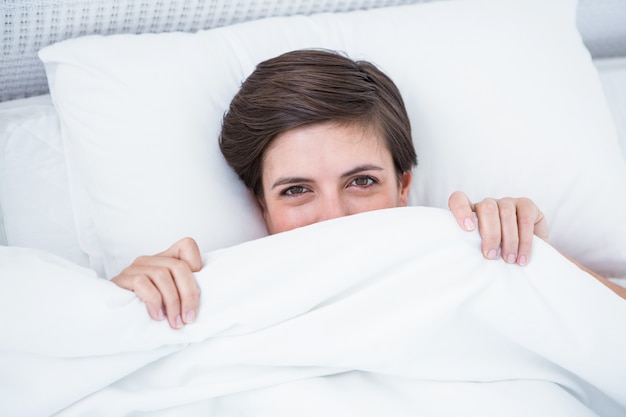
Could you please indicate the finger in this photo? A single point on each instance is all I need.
(171, 276)
(150, 295)
(188, 290)
(160, 275)
(178, 286)
(144, 289)
(529, 218)
(187, 250)
(462, 209)
(509, 221)
(541, 227)
(489, 227)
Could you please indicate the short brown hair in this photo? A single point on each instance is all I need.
(307, 87)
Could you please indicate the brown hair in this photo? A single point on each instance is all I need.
(306, 87)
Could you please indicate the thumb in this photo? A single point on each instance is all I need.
(462, 209)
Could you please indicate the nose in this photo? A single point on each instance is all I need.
(331, 207)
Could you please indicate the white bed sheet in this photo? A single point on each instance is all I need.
(392, 312)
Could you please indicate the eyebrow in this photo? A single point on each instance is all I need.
(355, 170)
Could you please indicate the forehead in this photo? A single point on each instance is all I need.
(322, 152)
(324, 139)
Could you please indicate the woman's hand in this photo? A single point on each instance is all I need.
(507, 224)
(165, 282)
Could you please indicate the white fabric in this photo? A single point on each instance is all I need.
(32, 158)
(35, 203)
(392, 312)
(34, 174)
(612, 74)
(519, 114)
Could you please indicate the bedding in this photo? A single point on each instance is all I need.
(612, 74)
(391, 312)
(470, 108)
(32, 150)
(35, 202)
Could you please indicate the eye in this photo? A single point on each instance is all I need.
(364, 181)
(295, 190)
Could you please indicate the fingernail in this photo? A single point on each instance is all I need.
(190, 317)
(468, 223)
(511, 258)
(523, 260)
(492, 254)
(179, 322)
(161, 313)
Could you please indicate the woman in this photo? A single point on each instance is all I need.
(316, 135)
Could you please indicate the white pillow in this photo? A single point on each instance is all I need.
(503, 98)
(34, 191)
(612, 72)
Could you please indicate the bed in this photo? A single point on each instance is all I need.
(109, 116)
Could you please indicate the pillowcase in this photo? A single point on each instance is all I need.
(35, 201)
(612, 72)
(503, 98)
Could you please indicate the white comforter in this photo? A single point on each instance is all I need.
(387, 313)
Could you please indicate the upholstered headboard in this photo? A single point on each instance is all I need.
(28, 25)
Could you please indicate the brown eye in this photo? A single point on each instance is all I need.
(295, 190)
(363, 181)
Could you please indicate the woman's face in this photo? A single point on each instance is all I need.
(323, 171)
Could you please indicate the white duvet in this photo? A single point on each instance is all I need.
(387, 313)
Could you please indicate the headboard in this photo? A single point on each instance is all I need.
(28, 25)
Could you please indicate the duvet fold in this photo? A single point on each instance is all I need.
(392, 312)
